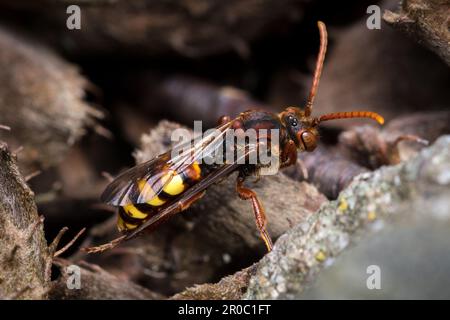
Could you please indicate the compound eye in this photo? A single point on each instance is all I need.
(292, 121)
(309, 140)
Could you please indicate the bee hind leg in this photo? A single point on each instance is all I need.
(104, 247)
(260, 217)
(289, 154)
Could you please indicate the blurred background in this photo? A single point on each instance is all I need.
(79, 101)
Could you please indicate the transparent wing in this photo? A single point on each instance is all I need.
(143, 182)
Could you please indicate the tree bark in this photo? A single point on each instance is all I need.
(426, 21)
(24, 256)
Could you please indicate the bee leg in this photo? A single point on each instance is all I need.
(289, 154)
(410, 137)
(260, 218)
(107, 246)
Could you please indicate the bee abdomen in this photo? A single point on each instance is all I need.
(172, 184)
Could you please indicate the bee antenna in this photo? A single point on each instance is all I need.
(319, 67)
(350, 114)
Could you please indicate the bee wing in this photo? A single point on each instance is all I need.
(169, 211)
(191, 193)
(124, 190)
(143, 182)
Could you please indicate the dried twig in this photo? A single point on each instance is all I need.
(32, 175)
(53, 246)
(69, 244)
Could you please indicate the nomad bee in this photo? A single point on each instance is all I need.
(150, 193)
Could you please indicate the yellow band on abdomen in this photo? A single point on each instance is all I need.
(175, 185)
(156, 201)
(134, 212)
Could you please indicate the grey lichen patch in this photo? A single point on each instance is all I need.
(365, 206)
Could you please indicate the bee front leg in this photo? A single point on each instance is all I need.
(260, 218)
(104, 247)
(289, 154)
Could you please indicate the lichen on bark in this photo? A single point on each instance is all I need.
(410, 188)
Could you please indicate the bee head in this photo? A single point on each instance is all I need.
(300, 125)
